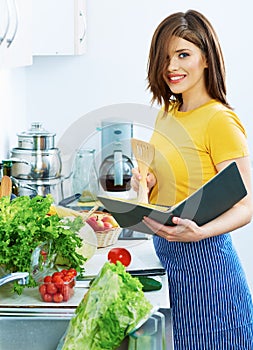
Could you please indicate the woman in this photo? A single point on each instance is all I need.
(196, 135)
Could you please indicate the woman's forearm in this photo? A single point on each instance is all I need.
(236, 217)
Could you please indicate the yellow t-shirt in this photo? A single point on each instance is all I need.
(189, 145)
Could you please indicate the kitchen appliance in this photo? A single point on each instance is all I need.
(37, 162)
(116, 165)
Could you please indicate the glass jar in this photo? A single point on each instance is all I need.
(84, 175)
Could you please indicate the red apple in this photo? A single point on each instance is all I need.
(107, 225)
(93, 218)
(111, 220)
(96, 224)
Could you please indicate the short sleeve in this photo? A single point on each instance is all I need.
(226, 137)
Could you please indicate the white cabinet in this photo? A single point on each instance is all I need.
(15, 33)
(59, 27)
(40, 27)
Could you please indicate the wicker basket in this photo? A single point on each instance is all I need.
(108, 237)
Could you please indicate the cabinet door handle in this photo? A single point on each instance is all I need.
(6, 13)
(15, 18)
(82, 16)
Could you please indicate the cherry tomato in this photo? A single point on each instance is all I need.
(58, 281)
(57, 274)
(47, 298)
(51, 288)
(44, 254)
(47, 279)
(67, 278)
(119, 254)
(58, 297)
(72, 271)
(43, 289)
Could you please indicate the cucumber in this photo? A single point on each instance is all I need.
(149, 284)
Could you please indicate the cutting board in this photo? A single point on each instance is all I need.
(94, 265)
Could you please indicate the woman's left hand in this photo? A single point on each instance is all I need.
(184, 231)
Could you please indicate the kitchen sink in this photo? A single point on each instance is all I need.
(38, 329)
(25, 329)
(42, 329)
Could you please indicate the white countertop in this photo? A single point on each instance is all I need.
(143, 255)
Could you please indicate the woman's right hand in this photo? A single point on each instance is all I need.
(135, 180)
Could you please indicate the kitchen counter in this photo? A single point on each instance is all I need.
(26, 320)
(143, 256)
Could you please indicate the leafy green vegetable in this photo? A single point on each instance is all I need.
(24, 224)
(111, 309)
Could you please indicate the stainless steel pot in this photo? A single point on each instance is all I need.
(36, 138)
(36, 158)
(42, 188)
(36, 164)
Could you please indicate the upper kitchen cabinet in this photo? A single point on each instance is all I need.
(59, 27)
(15, 33)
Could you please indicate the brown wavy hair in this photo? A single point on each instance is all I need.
(195, 28)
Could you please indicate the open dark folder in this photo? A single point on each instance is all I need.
(215, 197)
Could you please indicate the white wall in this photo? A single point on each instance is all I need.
(13, 106)
(60, 90)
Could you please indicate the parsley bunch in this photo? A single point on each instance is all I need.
(24, 224)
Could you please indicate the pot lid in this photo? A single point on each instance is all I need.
(36, 130)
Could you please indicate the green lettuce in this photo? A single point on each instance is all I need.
(111, 309)
(24, 224)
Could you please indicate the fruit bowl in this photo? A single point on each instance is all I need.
(108, 237)
(106, 228)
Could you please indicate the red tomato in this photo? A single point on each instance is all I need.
(51, 288)
(73, 271)
(47, 298)
(44, 254)
(47, 279)
(58, 281)
(58, 298)
(57, 274)
(67, 278)
(64, 271)
(43, 289)
(119, 254)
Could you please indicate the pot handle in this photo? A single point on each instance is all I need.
(28, 187)
(64, 202)
(17, 160)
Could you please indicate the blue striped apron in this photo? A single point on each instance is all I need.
(210, 299)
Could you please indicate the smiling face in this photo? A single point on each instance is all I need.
(198, 66)
(185, 71)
